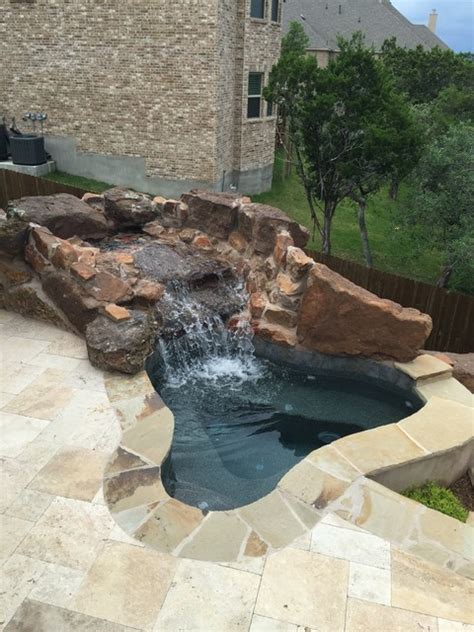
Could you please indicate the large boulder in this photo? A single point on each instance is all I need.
(30, 300)
(65, 215)
(13, 236)
(260, 224)
(70, 299)
(121, 346)
(213, 213)
(128, 209)
(180, 262)
(338, 317)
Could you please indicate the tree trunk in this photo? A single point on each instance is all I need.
(443, 280)
(394, 185)
(287, 149)
(363, 232)
(326, 237)
(288, 157)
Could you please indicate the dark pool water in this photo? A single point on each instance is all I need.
(241, 425)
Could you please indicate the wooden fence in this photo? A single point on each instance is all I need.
(15, 185)
(452, 313)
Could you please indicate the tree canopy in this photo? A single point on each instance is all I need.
(422, 74)
(348, 125)
(441, 212)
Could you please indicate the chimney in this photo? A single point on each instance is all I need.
(432, 21)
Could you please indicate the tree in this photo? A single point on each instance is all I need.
(295, 42)
(284, 81)
(348, 128)
(422, 74)
(441, 212)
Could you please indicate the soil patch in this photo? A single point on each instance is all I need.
(464, 491)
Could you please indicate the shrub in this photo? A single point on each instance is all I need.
(440, 498)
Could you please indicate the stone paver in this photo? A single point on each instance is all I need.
(363, 616)
(424, 367)
(41, 617)
(66, 566)
(29, 505)
(265, 624)
(70, 533)
(360, 547)
(378, 449)
(440, 425)
(73, 473)
(126, 584)
(423, 587)
(12, 531)
(273, 520)
(206, 596)
(312, 593)
(57, 585)
(44, 398)
(17, 431)
(370, 583)
(221, 532)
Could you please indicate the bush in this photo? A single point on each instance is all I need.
(440, 498)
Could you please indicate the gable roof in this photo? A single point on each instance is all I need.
(325, 20)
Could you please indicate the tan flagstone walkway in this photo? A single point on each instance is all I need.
(66, 566)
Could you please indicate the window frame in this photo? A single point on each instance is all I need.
(278, 11)
(254, 97)
(264, 10)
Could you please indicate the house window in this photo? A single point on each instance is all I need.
(257, 9)
(275, 10)
(255, 95)
(270, 108)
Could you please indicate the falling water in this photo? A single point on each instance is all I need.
(205, 348)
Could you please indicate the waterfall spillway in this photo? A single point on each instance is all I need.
(201, 345)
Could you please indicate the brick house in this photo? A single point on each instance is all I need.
(378, 20)
(157, 95)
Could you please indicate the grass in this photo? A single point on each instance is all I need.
(391, 251)
(92, 186)
(439, 498)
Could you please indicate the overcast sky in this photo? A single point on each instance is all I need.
(455, 22)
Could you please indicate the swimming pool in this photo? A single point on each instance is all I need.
(241, 423)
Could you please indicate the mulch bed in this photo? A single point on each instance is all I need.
(464, 491)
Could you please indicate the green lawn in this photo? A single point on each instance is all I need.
(92, 186)
(391, 252)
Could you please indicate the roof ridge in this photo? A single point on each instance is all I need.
(401, 18)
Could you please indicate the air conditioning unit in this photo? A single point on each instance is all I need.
(27, 149)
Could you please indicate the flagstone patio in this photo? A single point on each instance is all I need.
(67, 566)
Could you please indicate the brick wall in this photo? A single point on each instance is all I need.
(261, 49)
(156, 79)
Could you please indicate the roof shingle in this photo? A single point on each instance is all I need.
(325, 20)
